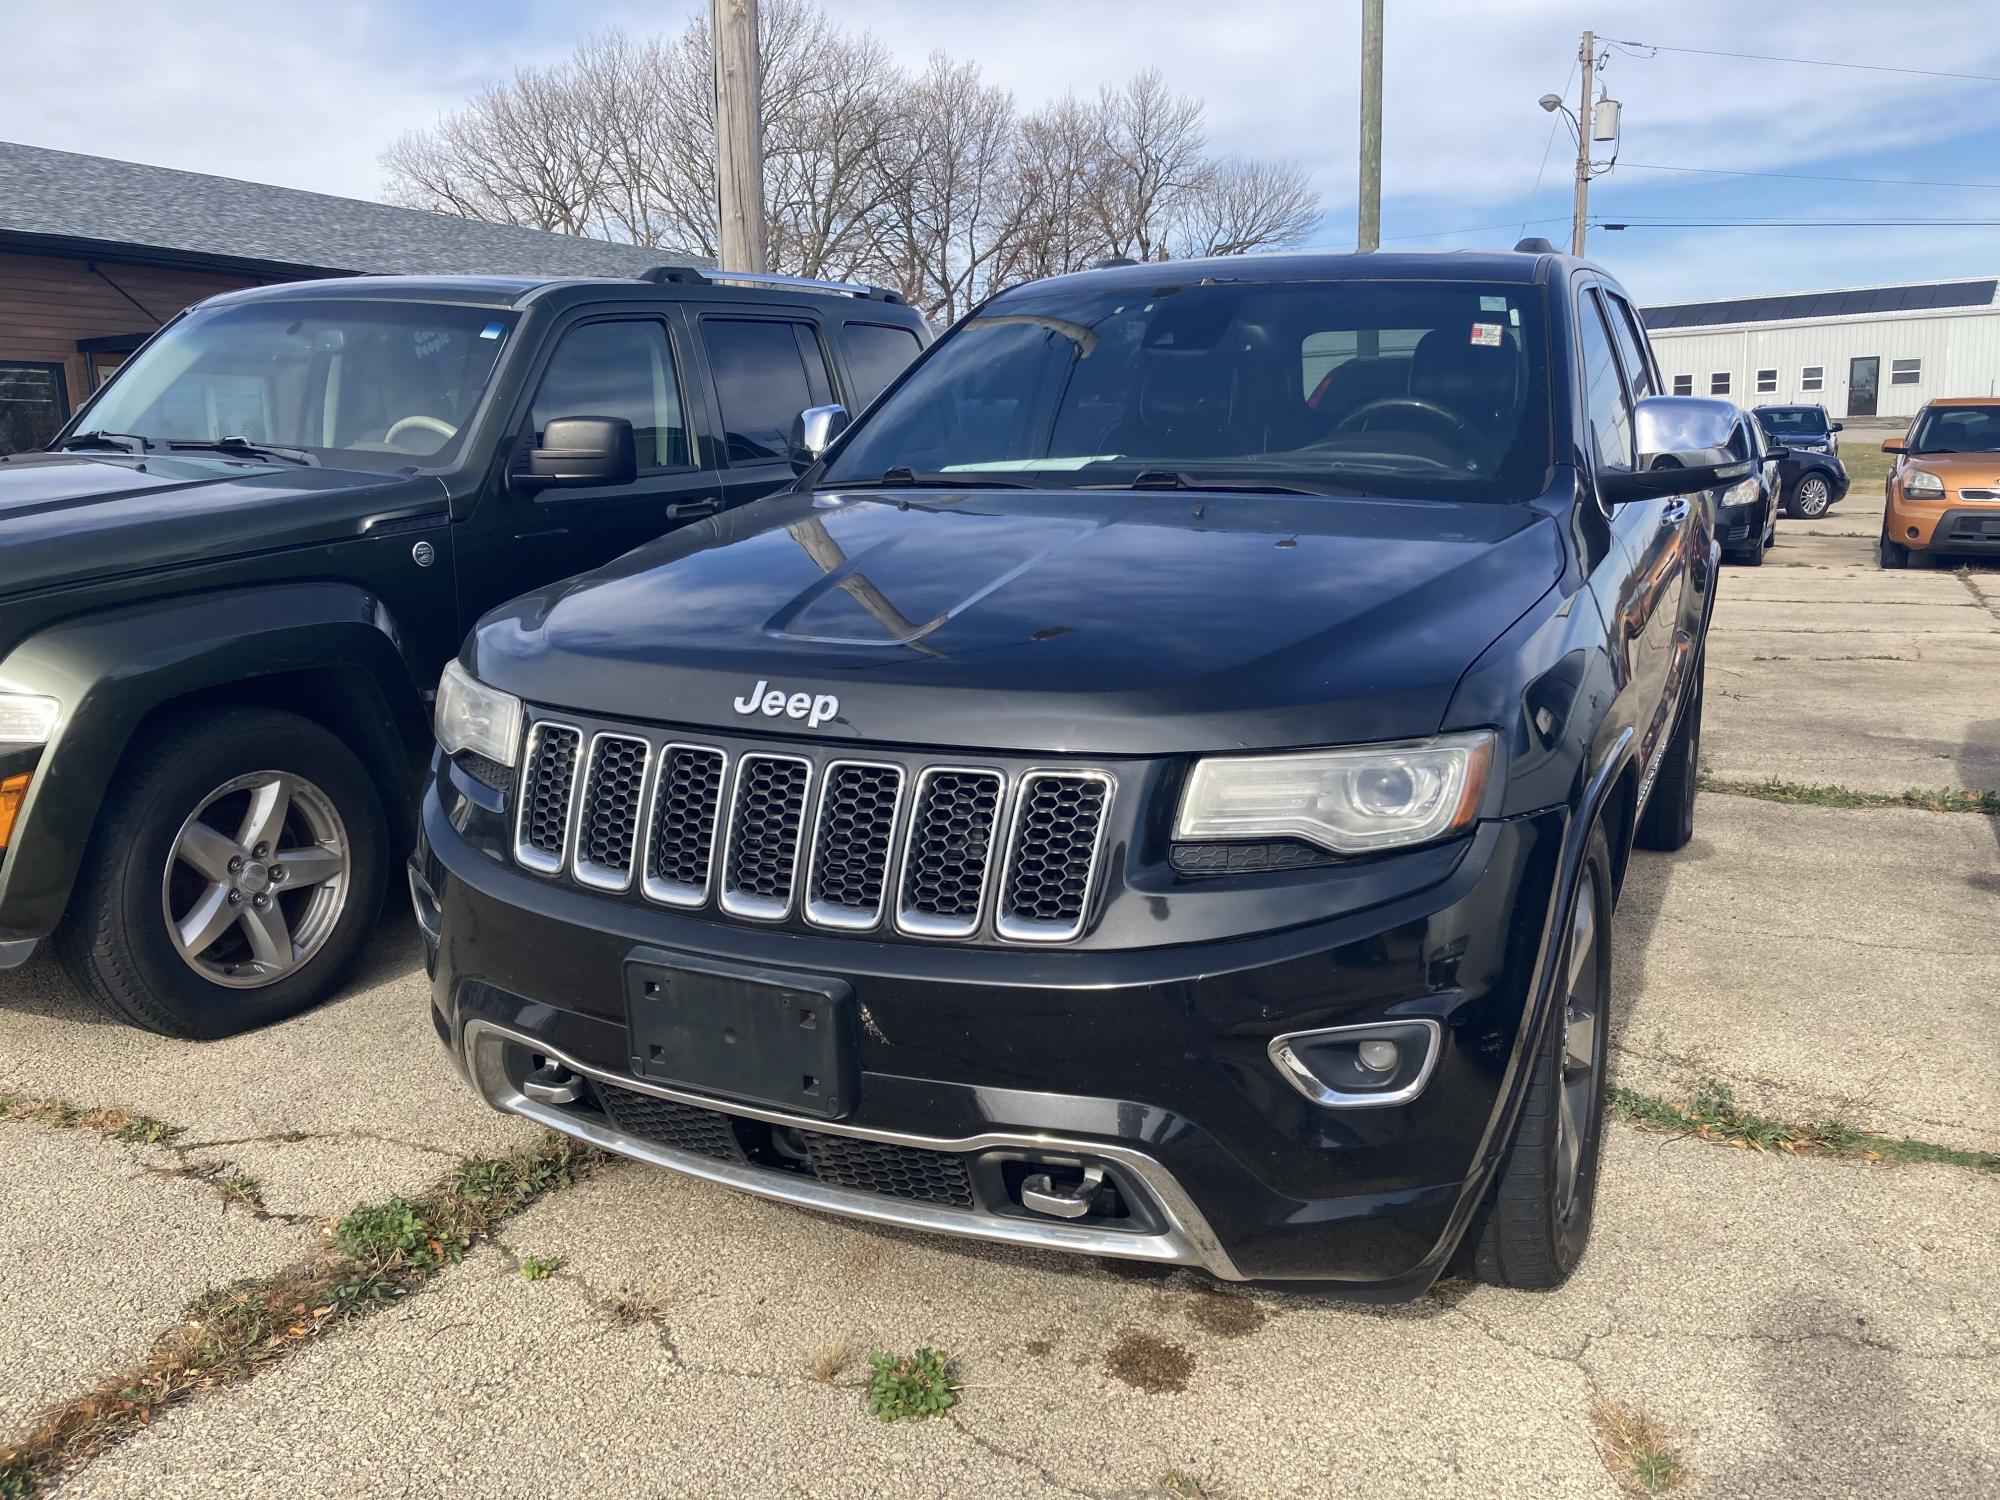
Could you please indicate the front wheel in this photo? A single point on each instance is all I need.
(1891, 554)
(1531, 1230)
(1811, 499)
(1667, 822)
(234, 876)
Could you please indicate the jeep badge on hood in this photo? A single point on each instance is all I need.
(814, 708)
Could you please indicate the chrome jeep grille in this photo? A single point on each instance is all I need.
(933, 851)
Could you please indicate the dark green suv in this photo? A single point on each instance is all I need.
(228, 587)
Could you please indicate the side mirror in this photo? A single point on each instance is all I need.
(1683, 444)
(1893, 445)
(578, 451)
(1835, 427)
(813, 432)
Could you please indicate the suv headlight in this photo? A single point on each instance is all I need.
(1350, 801)
(1922, 484)
(27, 718)
(472, 716)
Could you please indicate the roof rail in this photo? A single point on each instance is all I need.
(697, 276)
(1534, 244)
(1112, 262)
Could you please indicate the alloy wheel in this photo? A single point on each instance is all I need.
(1812, 498)
(1583, 1004)
(256, 880)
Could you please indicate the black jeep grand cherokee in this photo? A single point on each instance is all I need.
(1156, 787)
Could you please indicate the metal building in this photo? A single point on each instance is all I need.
(1879, 351)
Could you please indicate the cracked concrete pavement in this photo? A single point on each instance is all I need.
(1804, 1328)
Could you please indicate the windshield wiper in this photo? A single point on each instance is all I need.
(122, 442)
(1174, 479)
(901, 477)
(243, 447)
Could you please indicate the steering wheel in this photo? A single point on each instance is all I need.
(1444, 416)
(441, 427)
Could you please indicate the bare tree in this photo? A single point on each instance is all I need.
(1241, 206)
(1152, 143)
(1057, 170)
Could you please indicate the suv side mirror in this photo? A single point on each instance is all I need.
(1834, 427)
(579, 451)
(1893, 445)
(1683, 444)
(813, 432)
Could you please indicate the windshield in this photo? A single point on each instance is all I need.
(377, 385)
(1957, 429)
(1793, 421)
(1417, 388)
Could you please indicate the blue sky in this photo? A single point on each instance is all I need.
(305, 94)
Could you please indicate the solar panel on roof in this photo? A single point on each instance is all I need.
(1821, 304)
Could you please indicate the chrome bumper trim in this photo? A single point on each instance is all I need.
(1187, 1240)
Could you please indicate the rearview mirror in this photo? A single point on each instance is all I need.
(1892, 445)
(579, 451)
(813, 432)
(1683, 444)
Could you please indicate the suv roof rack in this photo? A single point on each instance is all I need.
(1534, 244)
(1112, 262)
(697, 276)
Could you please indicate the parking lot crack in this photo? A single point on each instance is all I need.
(1021, 1460)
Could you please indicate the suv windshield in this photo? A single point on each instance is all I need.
(1792, 421)
(1957, 429)
(1420, 388)
(375, 385)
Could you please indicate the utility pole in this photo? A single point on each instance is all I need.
(1368, 234)
(739, 134)
(1583, 125)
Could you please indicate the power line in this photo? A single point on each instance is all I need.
(1643, 166)
(1799, 224)
(1814, 62)
(1439, 234)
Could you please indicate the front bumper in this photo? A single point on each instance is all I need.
(1942, 526)
(1150, 1065)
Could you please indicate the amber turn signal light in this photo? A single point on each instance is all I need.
(13, 792)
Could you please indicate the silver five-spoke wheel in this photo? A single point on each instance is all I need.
(1578, 1083)
(256, 879)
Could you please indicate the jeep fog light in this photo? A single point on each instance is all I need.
(1365, 1066)
(1379, 1056)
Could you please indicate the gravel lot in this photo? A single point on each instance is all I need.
(1795, 1325)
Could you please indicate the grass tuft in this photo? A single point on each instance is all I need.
(117, 1124)
(539, 1267)
(908, 1386)
(1637, 1448)
(1943, 799)
(1713, 1114)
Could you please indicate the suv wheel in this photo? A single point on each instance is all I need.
(1891, 554)
(234, 876)
(1668, 821)
(1811, 499)
(1532, 1229)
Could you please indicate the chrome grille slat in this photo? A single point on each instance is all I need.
(684, 824)
(948, 850)
(1053, 846)
(761, 849)
(853, 843)
(548, 795)
(607, 825)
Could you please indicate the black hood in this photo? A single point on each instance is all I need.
(1059, 622)
(65, 517)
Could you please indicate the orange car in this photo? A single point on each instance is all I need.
(1944, 493)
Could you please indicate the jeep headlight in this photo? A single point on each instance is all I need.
(1351, 801)
(1922, 484)
(27, 718)
(472, 716)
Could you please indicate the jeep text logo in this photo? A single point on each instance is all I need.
(814, 708)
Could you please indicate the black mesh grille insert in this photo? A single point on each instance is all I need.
(684, 808)
(950, 844)
(764, 829)
(850, 862)
(700, 1132)
(895, 1171)
(611, 793)
(1055, 840)
(486, 770)
(545, 799)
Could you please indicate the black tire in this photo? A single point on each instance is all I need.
(1668, 820)
(1751, 556)
(115, 943)
(1812, 497)
(1891, 554)
(1532, 1228)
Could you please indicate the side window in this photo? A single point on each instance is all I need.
(1603, 392)
(877, 353)
(618, 370)
(762, 381)
(1631, 345)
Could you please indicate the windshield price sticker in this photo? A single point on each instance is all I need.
(1486, 335)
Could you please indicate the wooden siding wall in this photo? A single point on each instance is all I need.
(48, 302)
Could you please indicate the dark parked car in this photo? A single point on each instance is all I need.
(1812, 477)
(1158, 787)
(229, 587)
(1746, 515)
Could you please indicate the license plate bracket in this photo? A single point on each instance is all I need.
(739, 1031)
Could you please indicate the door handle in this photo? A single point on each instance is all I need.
(686, 510)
